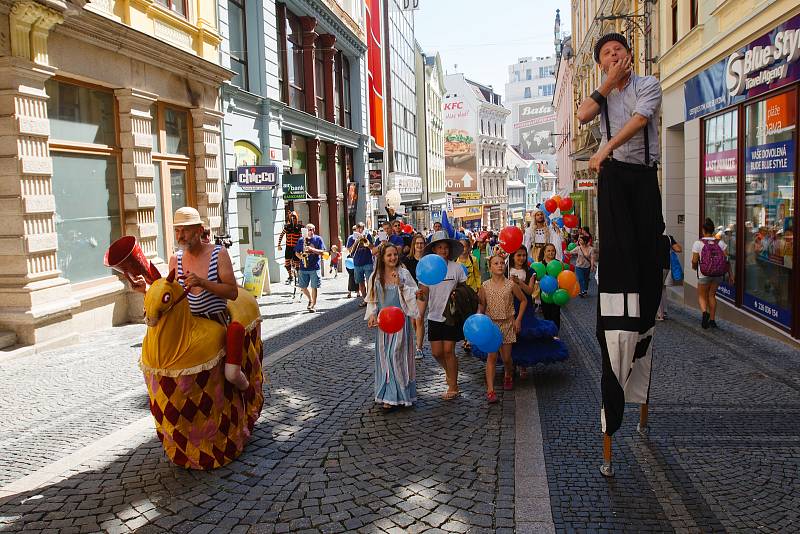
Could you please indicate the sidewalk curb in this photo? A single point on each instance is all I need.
(532, 513)
(135, 433)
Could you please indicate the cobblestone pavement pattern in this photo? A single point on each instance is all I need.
(323, 458)
(723, 451)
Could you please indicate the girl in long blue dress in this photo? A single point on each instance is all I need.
(392, 285)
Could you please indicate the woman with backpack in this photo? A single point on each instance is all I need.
(710, 260)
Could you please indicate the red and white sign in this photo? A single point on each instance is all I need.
(720, 163)
(588, 184)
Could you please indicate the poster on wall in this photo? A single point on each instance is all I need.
(352, 203)
(255, 272)
(769, 62)
(376, 182)
(534, 123)
(460, 152)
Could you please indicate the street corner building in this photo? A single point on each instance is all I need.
(729, 132)
(111, 120)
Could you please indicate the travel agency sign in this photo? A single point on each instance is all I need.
(769, 62)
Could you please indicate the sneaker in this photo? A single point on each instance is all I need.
(419, 354)
(705, 320)
(712, 324)
(491, 397)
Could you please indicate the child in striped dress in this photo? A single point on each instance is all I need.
(496, 297)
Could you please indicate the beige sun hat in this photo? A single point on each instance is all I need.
(186, 216)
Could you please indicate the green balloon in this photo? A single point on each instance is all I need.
(571, 247)
(554, 268)
(560, 297)
(539, 269)
(547, 298)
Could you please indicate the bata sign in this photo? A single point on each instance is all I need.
(782, 52)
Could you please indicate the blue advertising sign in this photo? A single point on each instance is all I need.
(770, 158)
(770, 311)
(769, 62)
(257, 177)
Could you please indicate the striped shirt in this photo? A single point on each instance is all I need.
(205, 302)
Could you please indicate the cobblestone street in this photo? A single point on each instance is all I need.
(723, 452)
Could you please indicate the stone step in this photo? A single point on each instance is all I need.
(7, 339)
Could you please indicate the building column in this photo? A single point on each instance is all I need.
(208, 187)
(312, 181)
(328, 41)
(36, 303)
(333, 195)
(139, 194)
(308, 25)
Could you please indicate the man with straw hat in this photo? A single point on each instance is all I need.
(204, 269)
(442, 337)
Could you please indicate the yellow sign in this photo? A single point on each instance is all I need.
(469, 195)
(468, 212)
(255, 272)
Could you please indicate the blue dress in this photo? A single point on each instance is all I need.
(395, 374)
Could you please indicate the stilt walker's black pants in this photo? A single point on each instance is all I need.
(630, 223)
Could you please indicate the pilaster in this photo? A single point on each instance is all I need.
(139, 194)
(312, 150)
(308, 25)
(331, 152)
(327, 42)
(206, 127)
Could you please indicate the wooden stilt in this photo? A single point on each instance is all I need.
(643, 412)
(607, 470)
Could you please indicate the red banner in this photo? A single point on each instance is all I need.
(375, 71)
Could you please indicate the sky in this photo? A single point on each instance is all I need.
(484, 37)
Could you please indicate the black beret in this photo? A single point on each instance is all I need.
(606, 38)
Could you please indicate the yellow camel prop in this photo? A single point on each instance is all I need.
(205, 383)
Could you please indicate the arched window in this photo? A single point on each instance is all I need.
(246, 154)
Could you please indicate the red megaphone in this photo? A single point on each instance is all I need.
(126, 256)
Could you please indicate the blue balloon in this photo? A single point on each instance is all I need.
(348, 263)
(494, 342)
(560, 222)
(431, 269)
(483, 333)
(548, 284)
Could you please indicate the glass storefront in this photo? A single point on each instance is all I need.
(720, 172)
(761, 207)
(770, 141)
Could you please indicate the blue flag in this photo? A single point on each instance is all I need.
(451, 232)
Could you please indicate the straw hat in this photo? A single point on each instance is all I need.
(186, 216)
(456, 248)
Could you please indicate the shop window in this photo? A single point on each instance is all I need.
(86, 182)
(319, 79)
(299, 155)
(80, 114)
(238, 42)
(322, 168)
(178, 6)
(674, 21)
(693, 11)
(86, 190)
(770, 149)
(720, 183)
(346, 102)
(177, 131)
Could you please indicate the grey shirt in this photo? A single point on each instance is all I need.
(641, 95)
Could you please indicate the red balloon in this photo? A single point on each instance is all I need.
(510, 239)
(565, 205)
(550, 205)
(570, 220)
(391, 319)
(407, 228)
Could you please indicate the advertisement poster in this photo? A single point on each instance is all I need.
(255, 272)
(376, 182)
(533, 125)
(768, 310)
(352, 203)
(770, 158)
(765, 64)
(460, 151)
(722, 163)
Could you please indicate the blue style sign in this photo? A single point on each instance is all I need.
(768, 310)
(770, 158)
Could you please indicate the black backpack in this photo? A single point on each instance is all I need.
(462, 303)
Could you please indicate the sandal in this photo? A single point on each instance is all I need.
(491, 397)
(508, 383)
(450, 395)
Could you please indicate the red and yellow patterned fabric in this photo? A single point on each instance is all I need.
(202, 420)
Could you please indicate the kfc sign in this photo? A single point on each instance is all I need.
(452, 106)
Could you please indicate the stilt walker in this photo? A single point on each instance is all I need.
(630, 222)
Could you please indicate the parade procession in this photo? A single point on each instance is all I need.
(402, 266)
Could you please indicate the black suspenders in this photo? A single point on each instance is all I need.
(604, 113)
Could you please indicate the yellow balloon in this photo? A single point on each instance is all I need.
(326, 256)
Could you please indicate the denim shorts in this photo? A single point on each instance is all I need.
(307, 278)
(362, 272)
